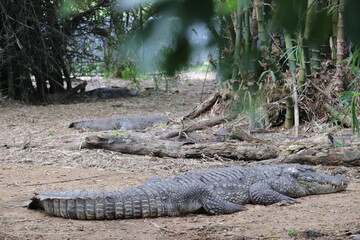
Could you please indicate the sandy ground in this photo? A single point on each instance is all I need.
(33, 159)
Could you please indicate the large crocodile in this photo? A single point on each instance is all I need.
(217, 191)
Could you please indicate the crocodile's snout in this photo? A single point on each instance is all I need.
(340, 180)
(330, 184)
(335, 182)
(314, 182)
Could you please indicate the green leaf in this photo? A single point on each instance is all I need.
(293, 233)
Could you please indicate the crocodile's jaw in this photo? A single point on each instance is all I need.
(318, 183)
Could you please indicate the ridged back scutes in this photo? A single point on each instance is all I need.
(216, 176)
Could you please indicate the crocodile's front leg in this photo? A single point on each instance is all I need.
(261, 193)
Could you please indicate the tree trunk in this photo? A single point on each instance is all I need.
(260, 22)
(247, 32)
(333, 38)
(305, 66)
(315, 61)
(289, 117)
(340, 53)
(138, 144)
(231, 29)
(254, 29)
(336, 86)
(237, 50)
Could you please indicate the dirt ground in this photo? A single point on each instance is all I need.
(33, 159)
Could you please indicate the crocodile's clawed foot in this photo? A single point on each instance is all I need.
(287, 202)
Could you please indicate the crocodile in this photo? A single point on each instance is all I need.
(120, 122)
(111, 92)
(217, 191)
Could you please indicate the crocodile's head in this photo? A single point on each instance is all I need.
(312, 182)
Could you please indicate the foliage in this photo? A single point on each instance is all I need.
(293, 233)
(353, 64)
(338, 144)
(348, 101)
(119, 133)
(249, 35)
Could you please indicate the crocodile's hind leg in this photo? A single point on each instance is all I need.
(192, 197)
(214, 204)
(261, 193)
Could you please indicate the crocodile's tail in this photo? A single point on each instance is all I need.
(99, 205)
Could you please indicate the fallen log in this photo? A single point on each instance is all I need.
(195, 127)
(232, 149)
(344, 156)
(203, 107)
(302, 153)
(241, 135)
(137, 144)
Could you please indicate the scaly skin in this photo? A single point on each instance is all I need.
(217, 191)
(121, 122)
